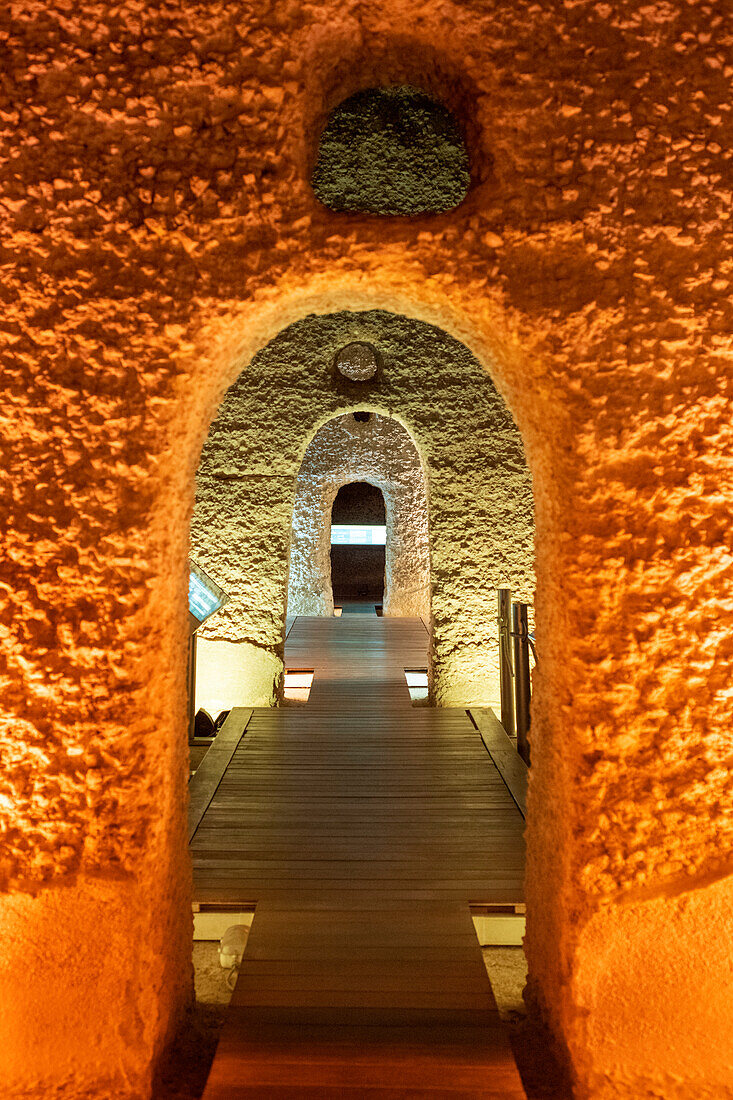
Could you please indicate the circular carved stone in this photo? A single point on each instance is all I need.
(357, 362)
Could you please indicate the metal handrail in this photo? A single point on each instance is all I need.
(515, 683)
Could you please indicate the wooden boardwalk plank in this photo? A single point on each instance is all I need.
(362, 828)
(210, 771)
(500, 747)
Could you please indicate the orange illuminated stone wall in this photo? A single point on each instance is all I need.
(158, 230)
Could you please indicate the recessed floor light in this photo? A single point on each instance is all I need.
(297, 685)
(417, 683)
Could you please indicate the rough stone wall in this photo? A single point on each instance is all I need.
(478, 488)
(381, 452)
(158, 229)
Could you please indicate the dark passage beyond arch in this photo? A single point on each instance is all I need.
(357, 571)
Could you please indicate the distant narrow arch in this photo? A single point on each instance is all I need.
(359, 562)
(381, 451)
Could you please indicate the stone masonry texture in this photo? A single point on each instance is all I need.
(391, 151)
(478, 485)
(159, 230)
(381, 452)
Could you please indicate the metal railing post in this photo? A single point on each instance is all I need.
(191, 677)
(522, 687)
(505, 659)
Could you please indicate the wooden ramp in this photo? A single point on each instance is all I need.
(362, 828)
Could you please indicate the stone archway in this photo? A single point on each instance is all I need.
(378, 450)
(164, 231)
(479, 496)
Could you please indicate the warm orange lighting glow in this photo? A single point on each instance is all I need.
(159, 229)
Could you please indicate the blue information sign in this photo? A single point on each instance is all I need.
(204, 596)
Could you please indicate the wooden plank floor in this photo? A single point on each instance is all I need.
(503, 753)
(208, 775)
(362, 828)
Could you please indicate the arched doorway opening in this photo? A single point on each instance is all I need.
(376, 450)
(358, 548)
(534, 271)
(299, 397)
(477, 484)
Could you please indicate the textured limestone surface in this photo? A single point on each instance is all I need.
(158, 229)
(391, 151)
(657, 952)
(381, 452)
(479, 492)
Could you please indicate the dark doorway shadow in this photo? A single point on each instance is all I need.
(357, 563)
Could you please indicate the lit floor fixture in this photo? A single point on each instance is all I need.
(297, 686)
(417, 683)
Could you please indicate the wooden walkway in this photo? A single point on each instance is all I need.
(362, 828)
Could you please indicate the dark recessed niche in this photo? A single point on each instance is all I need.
(358, 502)
(362, 417)
(357, 572)
(357, 362)
(391, 151)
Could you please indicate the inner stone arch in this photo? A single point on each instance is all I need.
(378, 450)
(479, 493)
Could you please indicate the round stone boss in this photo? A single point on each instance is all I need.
(357, 361)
